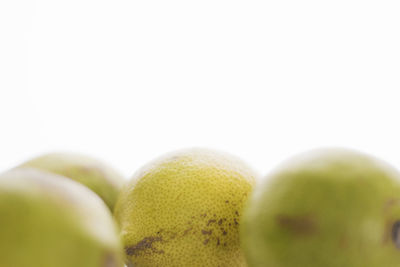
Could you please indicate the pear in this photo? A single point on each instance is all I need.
(100, 178)
(48, 220)
(184, 210)
(331, 208)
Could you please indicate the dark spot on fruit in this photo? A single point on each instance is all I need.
(237, 213)
(109, 260)
(204, 232)
(176, 157)
(187, 231)
(211, 221)
(88, 169)
(223, 231)
(230, 224)
(343, 242)
(396, 234)
(235, 221)
(144, 246)
(173, 235)
(219, 221)
(225, 244)
(390, 203)
(203, 215)
(179, 196)
(206, 241)
(300, 225)
(226, 201)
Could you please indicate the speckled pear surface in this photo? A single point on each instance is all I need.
(184, 210)
(331, 208)
(51, 221)
(100, 178)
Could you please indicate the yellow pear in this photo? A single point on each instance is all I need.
(184, 210)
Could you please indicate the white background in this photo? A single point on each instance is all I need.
(127, 81)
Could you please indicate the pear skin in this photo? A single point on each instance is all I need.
(48, 220)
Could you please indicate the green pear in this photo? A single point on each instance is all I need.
(330, 208)
(51, 221)
(101, 179)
